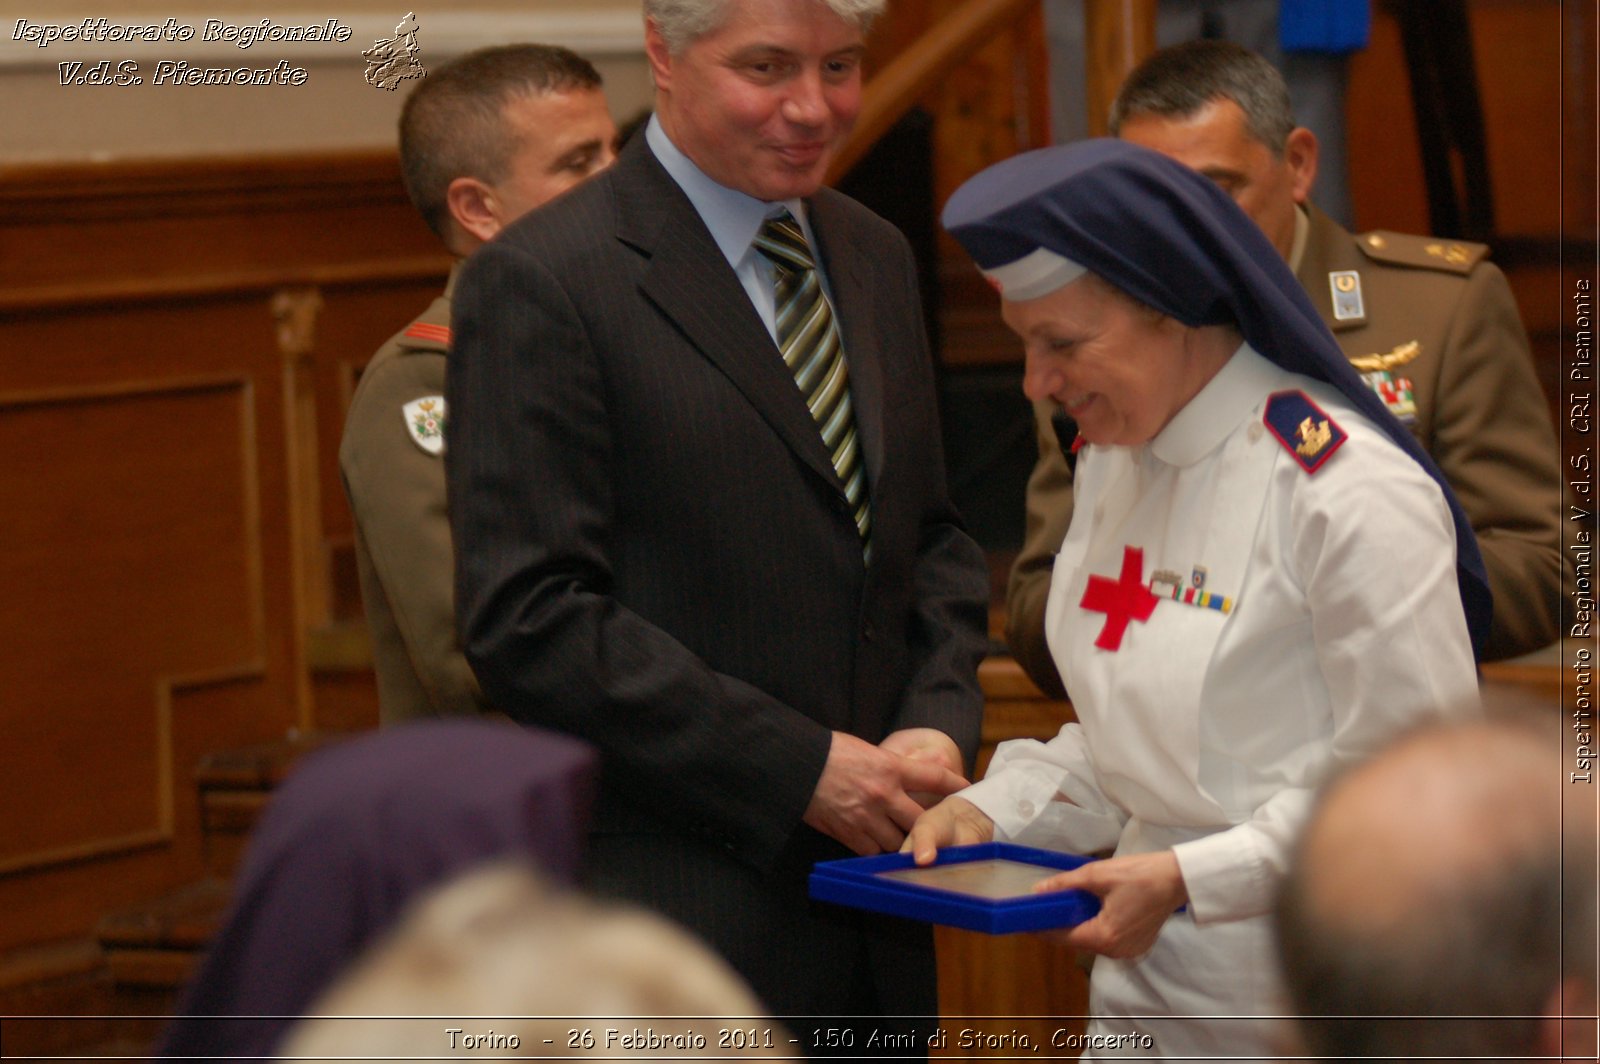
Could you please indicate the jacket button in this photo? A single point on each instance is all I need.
(1025, 809)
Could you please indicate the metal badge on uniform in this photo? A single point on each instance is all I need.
(1307, 433)
(1166, 584)
(425, 422)
(1396, 392)
(1346, 288)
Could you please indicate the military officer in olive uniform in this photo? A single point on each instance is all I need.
(471, 169)
(1430, 323)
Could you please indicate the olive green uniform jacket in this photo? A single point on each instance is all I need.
(403, 547)
(1467, 389)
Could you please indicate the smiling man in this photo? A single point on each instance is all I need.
(701, 511)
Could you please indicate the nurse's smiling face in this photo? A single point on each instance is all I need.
(1119, 368)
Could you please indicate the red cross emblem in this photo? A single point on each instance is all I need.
(1121, 600)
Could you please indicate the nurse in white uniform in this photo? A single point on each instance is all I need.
(1264, 578)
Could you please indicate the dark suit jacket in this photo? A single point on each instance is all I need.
(655, 553)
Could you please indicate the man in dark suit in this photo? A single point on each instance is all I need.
(700, 508)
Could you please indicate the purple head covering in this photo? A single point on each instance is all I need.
(352, 836)
(1169, 237)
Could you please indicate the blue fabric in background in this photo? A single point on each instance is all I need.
(1332, 26)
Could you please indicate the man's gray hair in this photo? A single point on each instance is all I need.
(681, 22)
(1178, 82)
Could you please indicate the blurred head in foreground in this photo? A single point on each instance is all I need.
(517, 962)
(1440, 882)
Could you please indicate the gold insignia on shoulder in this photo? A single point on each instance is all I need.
(1376, 241)
(1406, 352)
(1313, 437)
(1454, 254)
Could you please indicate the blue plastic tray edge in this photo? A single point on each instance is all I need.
(854, 881)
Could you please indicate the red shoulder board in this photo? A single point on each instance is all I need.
(423, 331)
(1307, 433)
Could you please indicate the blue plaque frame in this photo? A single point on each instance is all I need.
(858, 882)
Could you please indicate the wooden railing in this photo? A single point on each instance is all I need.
(1118, 33)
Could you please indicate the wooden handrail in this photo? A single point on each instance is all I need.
(915, 71)
(1118, 34)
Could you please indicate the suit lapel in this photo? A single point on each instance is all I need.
(852, 300)
(690, 282)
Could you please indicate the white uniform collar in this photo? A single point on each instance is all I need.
(1226, 400)
(1302, 233)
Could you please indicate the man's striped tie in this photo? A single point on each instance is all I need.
(809, 340)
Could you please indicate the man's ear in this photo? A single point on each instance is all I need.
(660, 56)
(474, 207)
(1300, 153)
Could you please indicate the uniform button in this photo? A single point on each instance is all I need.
(1256, 432)
(1025, 809)
(868, 633)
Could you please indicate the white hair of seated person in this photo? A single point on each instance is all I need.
(500, 955)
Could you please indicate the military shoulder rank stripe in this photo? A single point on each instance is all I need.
(1307, 433)
(421, 330)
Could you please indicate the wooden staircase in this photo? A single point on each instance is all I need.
(103, 997)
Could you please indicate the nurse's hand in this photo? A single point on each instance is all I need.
(1137, 895)
(953, 822)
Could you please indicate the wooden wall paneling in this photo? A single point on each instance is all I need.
(1118, 35)
(236, 222)
(133, 475)
(1518, 49)
(294, 312)
(150, 605)
(143, 578)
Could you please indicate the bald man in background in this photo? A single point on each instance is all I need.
(1440, 882)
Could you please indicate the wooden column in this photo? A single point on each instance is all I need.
(1117, 35)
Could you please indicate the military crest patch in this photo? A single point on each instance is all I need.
(1307, 433)
(425, 422)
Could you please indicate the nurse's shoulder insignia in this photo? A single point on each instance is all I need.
(424, 420)
(1308, 434)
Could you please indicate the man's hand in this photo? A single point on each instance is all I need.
(863, 798)
(925, 744)
(953, 822)
(1137, 895)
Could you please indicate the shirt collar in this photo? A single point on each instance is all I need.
(1302, 233)
(733, 217)
(1226, 400)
